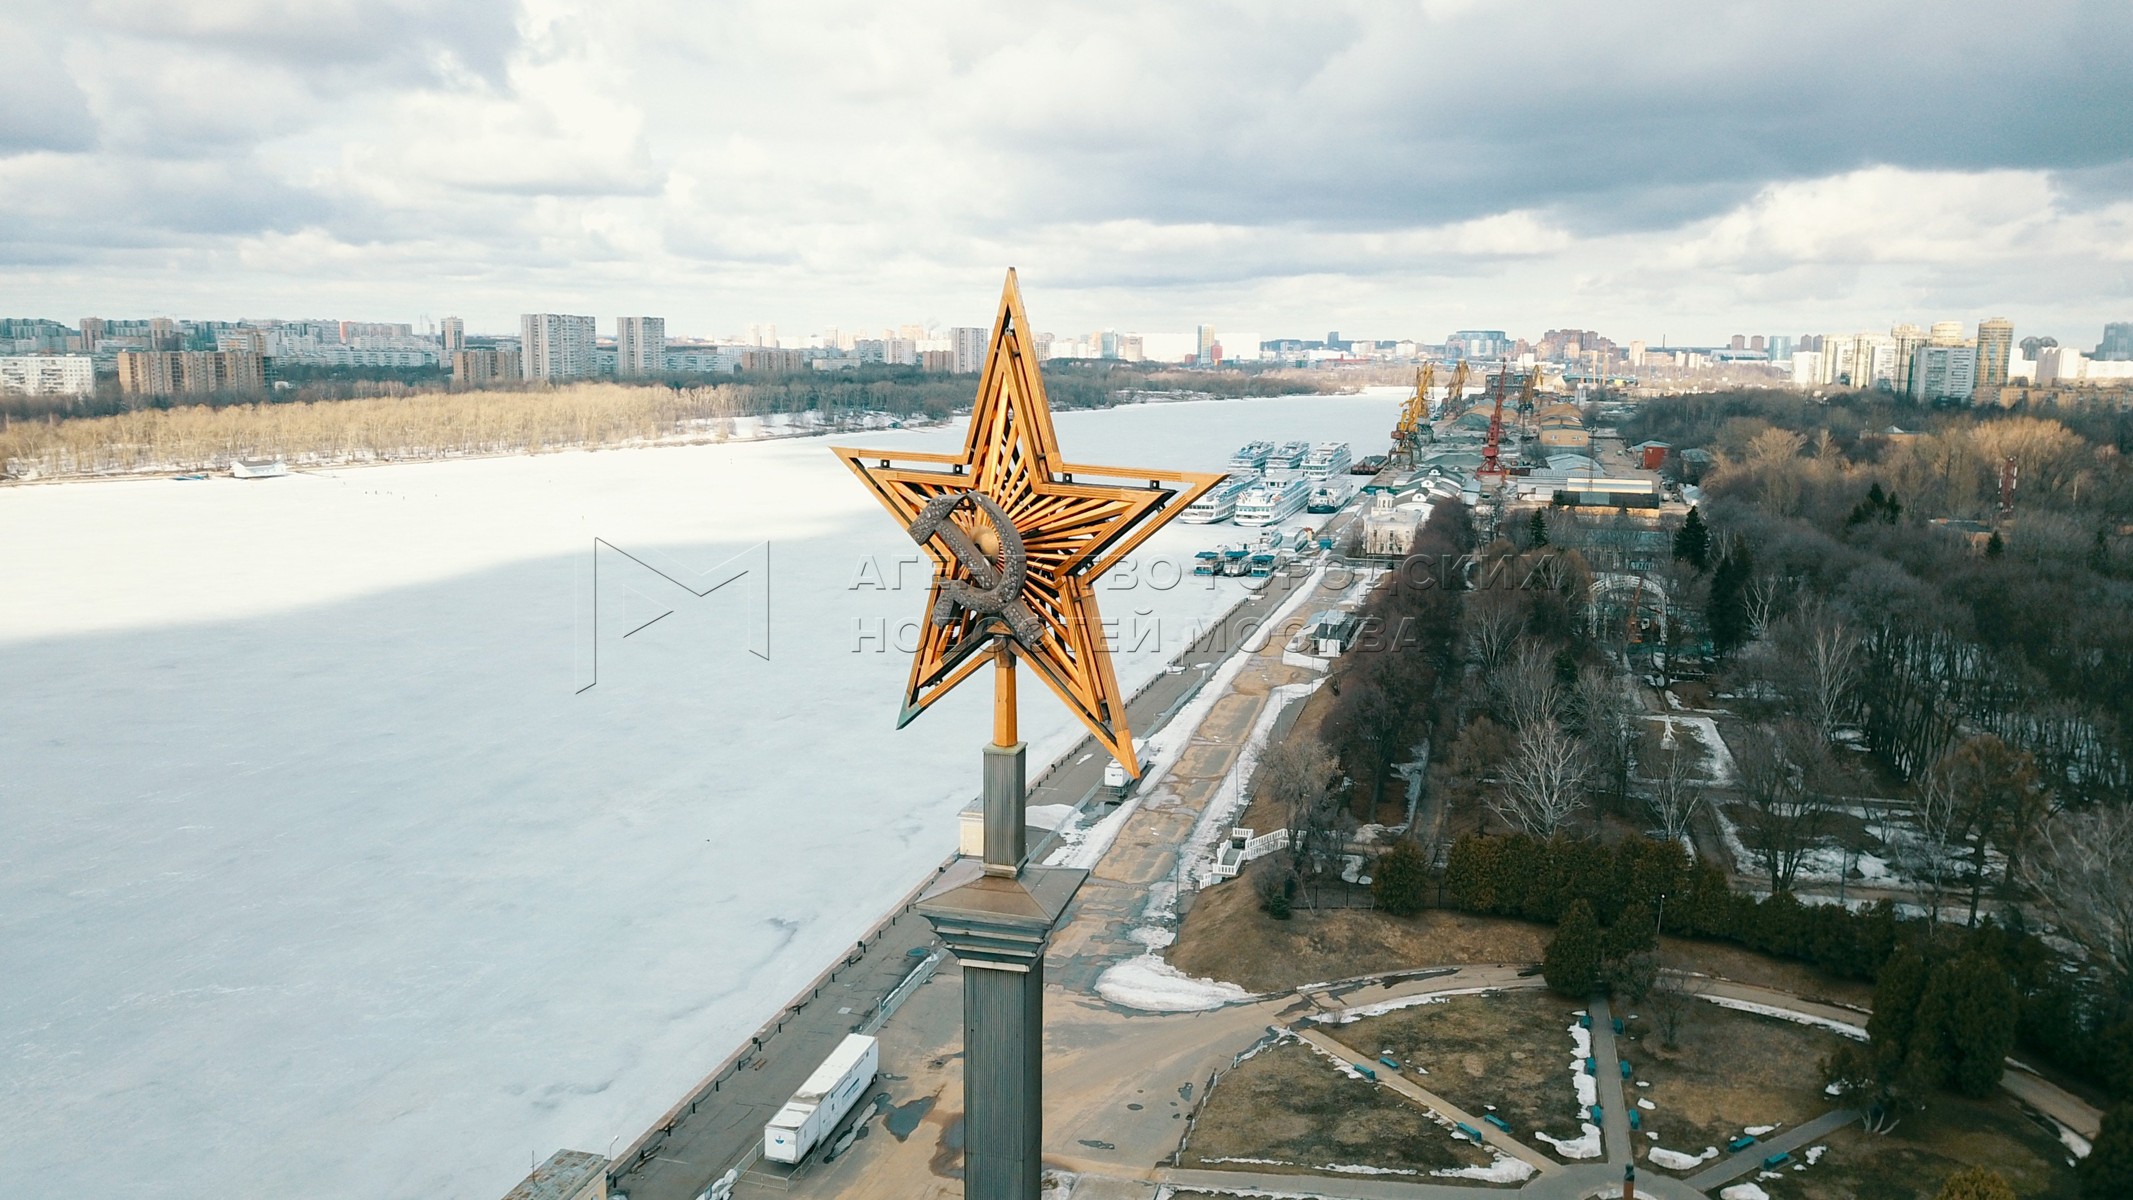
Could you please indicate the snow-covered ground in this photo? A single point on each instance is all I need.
(323, 877)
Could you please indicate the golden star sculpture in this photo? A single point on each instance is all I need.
(1018, 539)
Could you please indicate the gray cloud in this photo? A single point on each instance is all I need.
(763, 153)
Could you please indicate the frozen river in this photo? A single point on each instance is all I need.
(323, 872)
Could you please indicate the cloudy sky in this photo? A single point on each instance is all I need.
(1645, 167)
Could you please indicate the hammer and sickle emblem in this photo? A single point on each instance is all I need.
(994, 590)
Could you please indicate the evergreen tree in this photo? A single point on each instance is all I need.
(1965, 1024)
(2099, 558)
(1994, 546)
(1727, 608)
(2107, 1173)
(1632, 932)
(1400, 880)
(1537, 530)
(1975, 1183)
(1897, 993)
(1692, 542)
(1572, 965)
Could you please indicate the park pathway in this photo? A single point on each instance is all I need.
(1607, 1089)
(1726, 1170)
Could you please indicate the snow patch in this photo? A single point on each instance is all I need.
(1503, 1170)
(1855, 1032)
(1585, 1145)
(1646, 1105)
(1048, 816)
(1675, 1160)
(1759, 1130)
(1382, 1007)
(1744, 1191)
(1152, 985)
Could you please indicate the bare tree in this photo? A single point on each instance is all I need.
(1931, 852)
(1493, 620)
(1676, 791)
(1784, 771)
(1824, 658)
(1527, 692)
(1603, 712)
(1673, 994)
(1543, 783)
(1763, 597)
(1298, 775)
(2083, 869)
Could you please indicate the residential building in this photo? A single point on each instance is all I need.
(936, 362)
(1477, 343)
(555, 346)
(47, 375)
(1995, 338)
(1908, 339)
(190, 372)
(771, 359)
(1946, 333)
(162, 334)
(1779, 347)
(640, 346)
(482, 367)
(1129, 347)
(452, 335)
(92, 332)
(1206, 352)
(2116, 346)
(1942, 373)
(969, 344)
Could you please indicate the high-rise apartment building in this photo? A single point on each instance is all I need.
(1204, 341)
(1130, 347)
(479, 368)
(92, 332)
(1780, 347)
(555, 346)
(162, 333)
(640, 346)
(1941, 373)
(1995, 338)
(47, 375)
(1947, 333)
(2116, 346)
(190, 372)
(1908, 339)
(969, 343)
(452, 334)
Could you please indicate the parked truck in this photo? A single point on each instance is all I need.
(823, 1100)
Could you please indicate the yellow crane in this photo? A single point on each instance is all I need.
(1415, 411)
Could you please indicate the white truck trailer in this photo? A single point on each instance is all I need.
(823, 1100)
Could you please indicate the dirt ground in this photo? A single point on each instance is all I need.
(1731, 1070)
(1728, 961)
(1289, 1108)
(1507, 1053)
(1226, 936)
(1911, 1162)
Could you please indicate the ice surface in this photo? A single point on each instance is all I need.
(322, 877)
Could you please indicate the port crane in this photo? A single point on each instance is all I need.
(1492, 467)
(1413, 413)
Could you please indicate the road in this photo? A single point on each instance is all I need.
(719, 1125)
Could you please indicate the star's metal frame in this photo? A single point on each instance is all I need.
(1073, 522)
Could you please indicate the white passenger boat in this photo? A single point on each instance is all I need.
(1328, 459)
(1220, 503)
(1273, 500)
(1289, 456)
(1251, 456)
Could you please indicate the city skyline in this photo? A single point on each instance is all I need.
(1723, 176)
